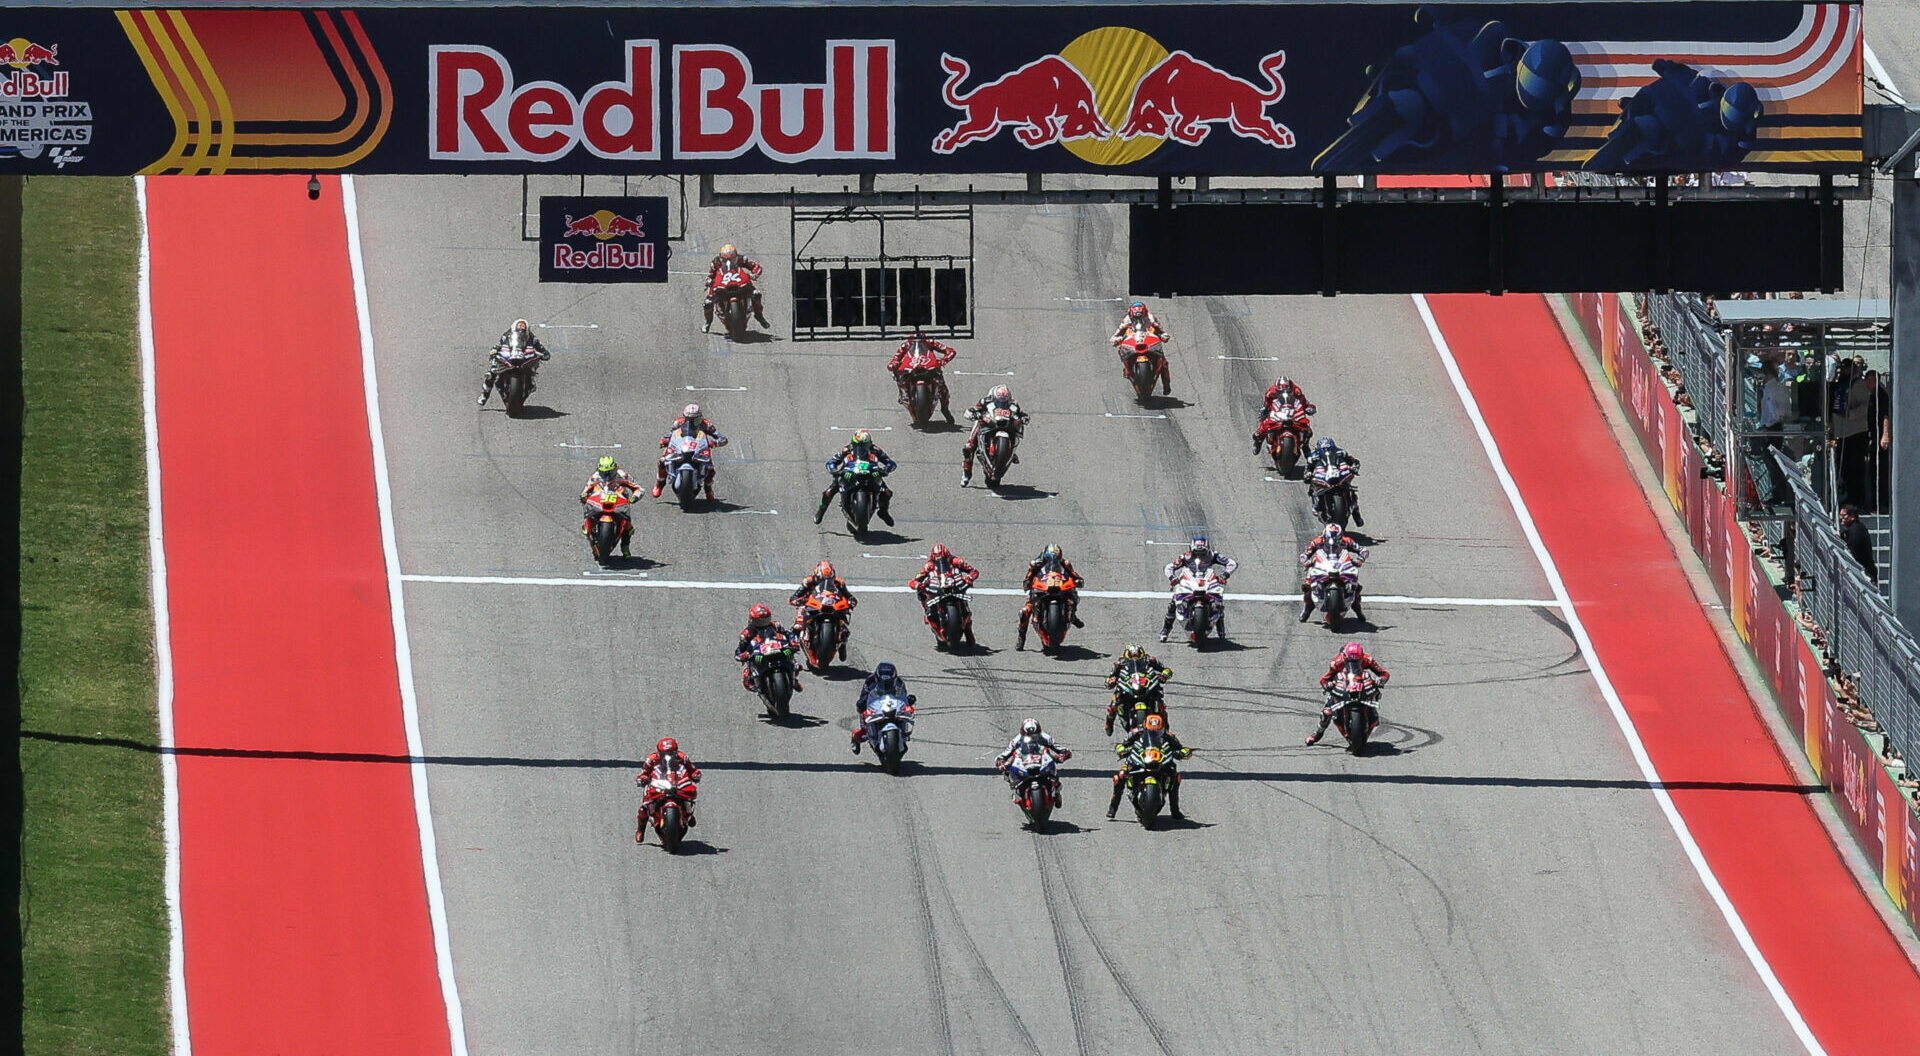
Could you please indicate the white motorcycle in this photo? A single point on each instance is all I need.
(1199, 603)
(889, 723)
(1335, 583)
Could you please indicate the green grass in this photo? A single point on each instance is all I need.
(92, 899)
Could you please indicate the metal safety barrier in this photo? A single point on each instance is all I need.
(1864, 638)
(1699, 353)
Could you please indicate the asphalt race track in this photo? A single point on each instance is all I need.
(1494, 878)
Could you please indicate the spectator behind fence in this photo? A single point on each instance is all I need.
(1850, 407)
(1859, 542)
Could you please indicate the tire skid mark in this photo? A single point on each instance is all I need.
(1050, 853)
(930, 945)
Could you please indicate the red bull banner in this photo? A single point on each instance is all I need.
(1201, 89)
(603, 239)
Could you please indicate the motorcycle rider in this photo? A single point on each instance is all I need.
(761, 628)
(884, 682)
(1133, 658)
(1331, 542)
(1285, 389)
(666, 762)
(862, 449)
(728, 260)
(1151, 733)
(999, 397)
(517, 336)
(1353, 658)
(823, 576)
(1051, 559)
(1030, 731)
(921, 352)
(1289, 411)
(610, 475)
(1199, 557)
(1139, 318)
(690, 423)
(943, 561)
(1330, 455)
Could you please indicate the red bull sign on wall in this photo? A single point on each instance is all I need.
(1214, 89)
(603, 239)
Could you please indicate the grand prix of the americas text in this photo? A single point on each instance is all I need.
(478, 113)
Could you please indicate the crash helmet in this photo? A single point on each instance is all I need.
(759, 616)
(940, 553)
(1156, 722)
(1052, 553)
(884, 672)
(608, 467)
(1740, 107)
(1546, 76)
(1030, 728)
(728, 253)
(1001, 395)
(1333, 532)
(667, 746)
(1137, 311)
(823, 570)
(519, 324)
(1353, 651)
(1200, 548)
(691, 412)
(862, 438)
(1324, 447)
(1134, 652)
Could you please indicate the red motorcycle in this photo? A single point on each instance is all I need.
(669, 804)
(1286, 431)
(733, 300)
(1142, 360)
(607, 519)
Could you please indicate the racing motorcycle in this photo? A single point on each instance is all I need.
(1199, 603)
(688, 460)
(1354, 698)
(1285, 443)
(607, 517)
(669, 804)
(1332, 580)
(1035, 778)
(1143, 356)
(1331, 490)
(1051, 607)
(889, 723)
(860, 494)
(772, 663)
(1137, 694)
(1000, 436)
(946, 607)
(823, 619)
(517, 364)
(733, 300)
(922, 392)
(1150, 773)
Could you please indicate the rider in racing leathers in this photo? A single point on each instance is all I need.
(610, 475)
(1133, 658)
(1030, 731)
(666, 762)
(1199, 557)
(1148, 734)
(1051, 559)
(943, 561)
(884, 682)
(1329, 454)
(1331, 543)
(1285, 389)
(921, 352)
(690, 423)
(1354, 655)
(823, 576)
(728, 259)
(1139, 318)
(1270, 424)
(761, 628)
(516, 335)
(862, 449)
(1001, 398)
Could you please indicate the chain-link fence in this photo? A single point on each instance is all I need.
(1699, 353)
(1863, 637)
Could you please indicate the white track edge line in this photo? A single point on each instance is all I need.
(1620, 716)
(402, 648)
(162, 645)
(1880, 72)
(894, 588)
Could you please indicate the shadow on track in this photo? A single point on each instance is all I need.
(1291, 777)
(535, 412)
(1020, 492)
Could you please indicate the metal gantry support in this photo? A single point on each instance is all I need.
(1904, 573)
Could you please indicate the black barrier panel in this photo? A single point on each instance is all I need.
(603, 239)
(950, 296)
(1444, 248)
(844, 295)
(809, 299)
(1204, 88)
(882, 297)
(916, 297)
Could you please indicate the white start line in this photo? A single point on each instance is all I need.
(568, 326)
(588, 447)
(1110, 414)
(857, 428)
(1252, 359)
(893, 588)
(716, 388)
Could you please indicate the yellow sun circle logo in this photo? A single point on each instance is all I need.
(1113, 59)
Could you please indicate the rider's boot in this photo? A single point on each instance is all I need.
(1306, 604)
(821, 511)
(707, 310)
(886, 499)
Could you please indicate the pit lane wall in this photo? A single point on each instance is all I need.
(1881, 819)
(1208, 89)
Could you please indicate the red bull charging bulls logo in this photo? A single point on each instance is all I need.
(1113, 96)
